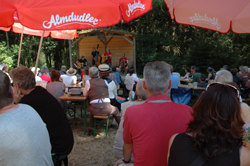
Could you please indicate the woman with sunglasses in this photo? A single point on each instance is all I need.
(214, 136)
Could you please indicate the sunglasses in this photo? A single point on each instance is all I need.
(225, 84)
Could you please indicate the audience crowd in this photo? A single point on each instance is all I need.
(152, 129)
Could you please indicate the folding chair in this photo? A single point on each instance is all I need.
(182, 96)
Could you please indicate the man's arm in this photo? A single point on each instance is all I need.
(86, 88)
(127, 151)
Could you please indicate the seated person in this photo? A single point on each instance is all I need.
(24, 137)
(141, 97)
(130, 79)
(118, 76)
(215, 133)
(174, 80)
(55, 87)
(69, 78)
(38, 79)
(44, 71)
(211, 75)
(202, 83)
(188, 74)
(82, 71)
(197, 74)
(104, 71)
(98, 92)
(5, 69)
(47, 106)
(85, 77)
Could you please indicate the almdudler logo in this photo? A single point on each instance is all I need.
(132, 8)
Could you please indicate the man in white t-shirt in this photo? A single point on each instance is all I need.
(70, 78)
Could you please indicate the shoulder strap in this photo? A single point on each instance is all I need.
(199, 161)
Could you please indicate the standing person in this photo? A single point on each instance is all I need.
(63, 70)
(123, 62)
(107, 56)
(44, 71)
(49, 109)
(94, 55)
(98, 92)
(24, 138)
(149, 126)
(215, 134)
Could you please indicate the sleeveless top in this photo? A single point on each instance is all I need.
(182, 154)
(98, 89)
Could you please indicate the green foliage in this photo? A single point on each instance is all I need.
(8, 56)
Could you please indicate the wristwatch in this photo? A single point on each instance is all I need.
(126, 161)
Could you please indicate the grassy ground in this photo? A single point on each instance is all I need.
(90, 150)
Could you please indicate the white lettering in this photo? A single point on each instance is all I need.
(58, 21)
(134, 7)
(212, 21)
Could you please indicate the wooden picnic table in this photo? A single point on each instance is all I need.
(82, 104)
(191, 87)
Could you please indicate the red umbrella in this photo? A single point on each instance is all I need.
(217, 15)
(73, 14)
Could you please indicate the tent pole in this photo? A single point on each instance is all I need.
(20, 48)
(39, 50)
(70, 53)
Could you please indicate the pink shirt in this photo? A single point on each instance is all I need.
(149, 127)
(45, 78)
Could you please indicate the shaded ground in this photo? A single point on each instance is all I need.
(90, 150)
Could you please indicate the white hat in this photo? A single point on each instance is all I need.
(103, 68)
(71, 71)
(33, 69)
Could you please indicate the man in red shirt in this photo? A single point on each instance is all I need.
(123, 62)
(107, 57)
(149, 126)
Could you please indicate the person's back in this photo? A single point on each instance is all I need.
(152, 125)
(56, 89)
(118, 76)
(175, 81)
(148, 127)
(51, 112)
(24, 138)
(69, 80)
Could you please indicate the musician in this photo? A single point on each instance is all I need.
(107, 56)
(94, 55)
(123, 62)
(81, 62)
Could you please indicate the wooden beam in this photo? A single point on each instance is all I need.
(109, 40)
(128, 40)
(102, 41)
(79, 39)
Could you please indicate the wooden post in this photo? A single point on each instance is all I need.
(39, 51)
(20, 48)
(134, 50)
(70, 53)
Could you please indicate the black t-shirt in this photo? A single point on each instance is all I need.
(82, 61)
(51, 112)
(182, 153)
(94, 53)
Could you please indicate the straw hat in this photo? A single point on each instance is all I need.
(103, 68)
(71, 71)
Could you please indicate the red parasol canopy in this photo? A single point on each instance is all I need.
(73, 14)
(217, 15)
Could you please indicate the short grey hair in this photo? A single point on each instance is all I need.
(223, 76)
(93, 72)
(5, 66)
(157, 77)
(140, 91)
(244, 68)
(44, 69)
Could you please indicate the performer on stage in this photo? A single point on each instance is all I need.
(123, 62)
(107, 57)
(80, 63)
(94, 55)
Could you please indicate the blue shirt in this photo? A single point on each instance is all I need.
(118, 76)
(175, 82)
